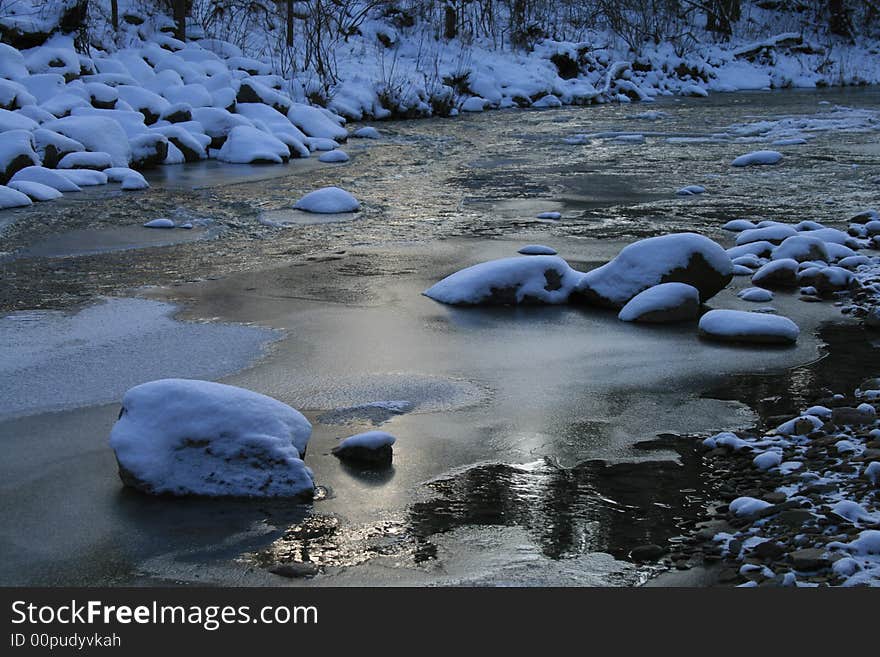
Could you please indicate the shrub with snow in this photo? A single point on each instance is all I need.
(188, 437)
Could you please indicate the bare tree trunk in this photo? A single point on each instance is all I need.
(518, 35)
(114, 14)
(289, 23)
(838, 18)
(721, 14)
(450, 21)
(180, 19)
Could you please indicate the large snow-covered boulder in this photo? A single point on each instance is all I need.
(679, 258)
(509, 281)
(667, 302)
(316, 122)
(801, 247)
(742, 326)
(188, 437)
(52, 146)
(35, 191)
(370, 447)
(774, 233)
(96, 133)
(248, 145)
(16, 153)
(148, 150)
(328, 200)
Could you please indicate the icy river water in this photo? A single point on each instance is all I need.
(517, 458)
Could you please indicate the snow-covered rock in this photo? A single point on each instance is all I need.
(474, 104)
(555, 216)
(161, 222)
(86, 160)
(777, 274)
(667, 302)
(96, 133)
(801, 248)
(537, 249)
(16, 153)
(738, 225)
(509, 281)
(84, 177)
(369, 447)
(774, 233)
(756, 294)
(48, 177)
(35, 191)
(691, 190)
(333, 156)
(747, 506)
(188, 437)
(740, 326)
(248, 145)
(367, 132)
(315, 122)
(678, 258)
(757, 158)
(328, 200)
(12, 198)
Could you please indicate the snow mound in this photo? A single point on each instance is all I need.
(36, 191)
(691, 190)
(328, 200)
(667, 302)
(741, 326)
(367, 447)
(334, 156)
(189, 437)
(738, 225)
(537, 249)
(474, 104)
(757, 158)
(747, 506)
(248, 145)
(756, 294)
(801, 248)
(367, 132)
(525, 279)
(46, 177)
(677, 258)
(162, 222)
(12, 198)
(96, 133)
(550, 215)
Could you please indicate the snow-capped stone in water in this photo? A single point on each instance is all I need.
(474, 104)
(865, 216)
(767, 460)
(738, 225)
(742, 270)
(801, 248)
(550, 215)
(96, 133)
(16, 152)
(335, 155)
(667, 302)
(757, 158)
(761, 249)
(748, 260)
(162, 222)
(134, 183)
(777, 274)
(86, 160)
(367, 447)
(741, 326)
(521, 279)
(678, 258)
(748, 506)
(48, 177)
(775, 234)
(537, 249)
(808, 225)
(853, 262)
(36, 191)
(548, 101)
(12, 198)
(248, 145)
(756, 294)
(829, 280)
(367, 132)
(328, 200)
(84, 177)
(119, 174)
(691, 190)
(188, 437)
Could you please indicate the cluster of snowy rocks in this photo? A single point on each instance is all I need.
(185, 437)
(798, 504)
(68, 121)
(669, 278)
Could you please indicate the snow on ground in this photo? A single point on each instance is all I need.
(191, 437)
